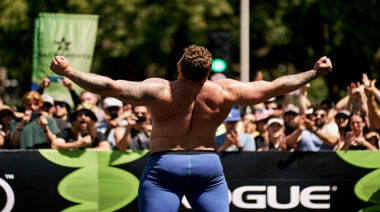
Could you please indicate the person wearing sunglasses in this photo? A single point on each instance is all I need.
(83, 133)
(316, 134)
(61, 114)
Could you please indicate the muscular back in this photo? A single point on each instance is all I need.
(187, 116)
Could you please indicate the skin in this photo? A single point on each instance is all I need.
(185, 114)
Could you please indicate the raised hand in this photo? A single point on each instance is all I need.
(323, 66)
(59, 64)
(45, 82)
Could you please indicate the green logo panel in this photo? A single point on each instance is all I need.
(368, 187)
(96, 186)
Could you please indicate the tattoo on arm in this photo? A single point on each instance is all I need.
(133, 94)
(143, 92)
(92, 82)
(299, 79)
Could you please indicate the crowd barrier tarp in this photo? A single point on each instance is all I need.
(51, 180)
(69, 35)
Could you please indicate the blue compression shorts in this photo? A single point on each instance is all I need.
(168, 176)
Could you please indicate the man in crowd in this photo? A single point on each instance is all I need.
(82, 133)
(316, 134)
(185, 115)
(233, 140)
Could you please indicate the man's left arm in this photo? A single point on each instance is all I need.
(258, 91)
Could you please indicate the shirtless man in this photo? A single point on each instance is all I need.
(185, 115)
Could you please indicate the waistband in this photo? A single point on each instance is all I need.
(182, 152)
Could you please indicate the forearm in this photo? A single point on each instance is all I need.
(123, 143)
(103, 145)
(94, 83)
(286, 84)
(302, 103)
(368, 146)
(49, 136)
(376, 94)
(373, 114)
(61, 144)
(293, 138)
(16, 137)
(75, 98)
(342, 103)
(326, 138)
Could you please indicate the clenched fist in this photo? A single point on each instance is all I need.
(323, 66)
(59, 65)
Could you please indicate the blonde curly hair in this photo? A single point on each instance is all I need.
(196, 63)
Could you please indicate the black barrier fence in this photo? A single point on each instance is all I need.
(49, 180)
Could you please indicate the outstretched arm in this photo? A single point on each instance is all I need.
(138, 93)
(258, 91)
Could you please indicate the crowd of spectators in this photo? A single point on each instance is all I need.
(353, 123)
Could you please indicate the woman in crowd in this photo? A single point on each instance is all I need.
(355, 139)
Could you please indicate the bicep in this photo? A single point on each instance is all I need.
(249, 93)
(140, 93)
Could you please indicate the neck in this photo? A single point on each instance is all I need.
(180, 77)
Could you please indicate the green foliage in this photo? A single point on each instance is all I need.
(143, 38)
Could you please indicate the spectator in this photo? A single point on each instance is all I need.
(262, 142)
(316, 134)
(137, 133)
(249, 125)
(276, 134)
(373, 138)
(232, 140)
(341, 119)
(82, 133)
(291, 119)
(6, 117)
(91, 98)
(34, 130)
(48, 105)
(355, 139)
(115, 121)
(61, 115)
(274, 107)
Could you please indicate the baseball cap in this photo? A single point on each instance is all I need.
(112, 102)
(233, 116)
(344, 112)
(291, 108)
(47, 98)
(275, 120)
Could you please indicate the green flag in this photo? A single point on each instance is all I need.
(70, 35)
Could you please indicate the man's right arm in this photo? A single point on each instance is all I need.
(137, 93)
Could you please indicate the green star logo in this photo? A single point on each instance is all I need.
(63, 45)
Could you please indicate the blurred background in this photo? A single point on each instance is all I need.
(143, 38)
